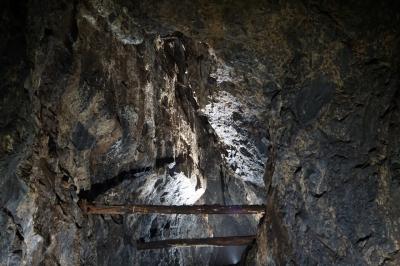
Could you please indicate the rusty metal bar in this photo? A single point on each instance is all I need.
(173, 209)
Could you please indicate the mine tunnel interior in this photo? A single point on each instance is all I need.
(268, 125)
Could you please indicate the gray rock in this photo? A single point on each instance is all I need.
(291, 104)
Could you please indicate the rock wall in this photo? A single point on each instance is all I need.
(100, 108)
(334, 116)
(290, 103)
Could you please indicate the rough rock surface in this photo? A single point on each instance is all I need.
(295, 104)
(98, 107)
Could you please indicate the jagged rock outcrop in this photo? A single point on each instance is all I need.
(294, 104)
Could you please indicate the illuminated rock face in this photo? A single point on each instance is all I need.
(295, 105)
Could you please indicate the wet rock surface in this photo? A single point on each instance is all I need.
(294, 104)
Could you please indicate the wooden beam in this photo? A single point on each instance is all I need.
(173, 209)
(211, 241)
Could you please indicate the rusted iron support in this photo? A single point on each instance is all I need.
(172, 209)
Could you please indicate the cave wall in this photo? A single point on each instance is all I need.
(104, 109)
(332, 178)
(290, 103)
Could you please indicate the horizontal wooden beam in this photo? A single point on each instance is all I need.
(211, 241)
(173, 209)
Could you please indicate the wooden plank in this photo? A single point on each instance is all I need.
(173, 209)
(211, 241)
